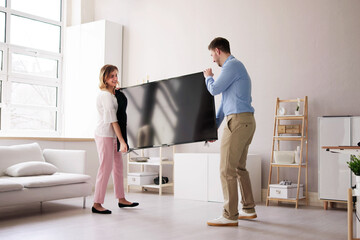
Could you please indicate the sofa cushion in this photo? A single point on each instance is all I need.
(7, 185)
(50, 180)
(11, 155)
(32, 168)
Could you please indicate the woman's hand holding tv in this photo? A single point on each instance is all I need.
(123, 147)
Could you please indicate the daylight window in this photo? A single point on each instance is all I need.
(31, 53)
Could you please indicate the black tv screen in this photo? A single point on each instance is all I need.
(172, 111)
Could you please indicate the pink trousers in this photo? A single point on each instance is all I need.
(110, 160)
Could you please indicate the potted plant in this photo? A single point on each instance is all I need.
(354, 165)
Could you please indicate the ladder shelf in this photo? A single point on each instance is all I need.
(287, 132)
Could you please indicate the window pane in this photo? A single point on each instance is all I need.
(2, 26)
(2, 3)
(35, 66)
(43, 8)
(34, 34)
(29, 94)
(32, 119)
(0, 91)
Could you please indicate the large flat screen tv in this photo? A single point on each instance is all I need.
(172, 111)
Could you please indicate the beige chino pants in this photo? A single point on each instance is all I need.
(238, 133)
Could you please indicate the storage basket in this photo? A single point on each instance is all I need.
(289, 129)
(284, 157)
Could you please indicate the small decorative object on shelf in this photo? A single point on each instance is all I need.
(164, 180)
(281, 111)
(297, 155)
(139, 159)
(285, 182)
(297, 112)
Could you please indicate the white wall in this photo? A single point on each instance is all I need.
(88, 47)
(79, 11)
(290, 48)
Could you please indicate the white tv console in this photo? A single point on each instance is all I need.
(197, 176)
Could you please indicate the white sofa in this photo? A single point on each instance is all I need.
(33, 179)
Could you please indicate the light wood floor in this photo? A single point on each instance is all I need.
(165, 218)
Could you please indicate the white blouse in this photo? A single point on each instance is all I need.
(107, 106)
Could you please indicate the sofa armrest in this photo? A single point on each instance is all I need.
(67, 161)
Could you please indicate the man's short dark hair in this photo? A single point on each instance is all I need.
(221, 44)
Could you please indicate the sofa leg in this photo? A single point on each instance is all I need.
(84, 202)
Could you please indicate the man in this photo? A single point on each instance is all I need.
(235, 86)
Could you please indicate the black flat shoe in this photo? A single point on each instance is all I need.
(94, 210)
(134, 204)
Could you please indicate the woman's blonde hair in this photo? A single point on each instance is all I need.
(105, 71)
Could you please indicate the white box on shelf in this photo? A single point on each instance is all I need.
(285, 191)
(141, 178)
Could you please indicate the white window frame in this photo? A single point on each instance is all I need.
(7, 77)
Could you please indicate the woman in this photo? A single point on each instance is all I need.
(106, 133)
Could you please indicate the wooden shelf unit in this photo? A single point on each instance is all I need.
(302, 138)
